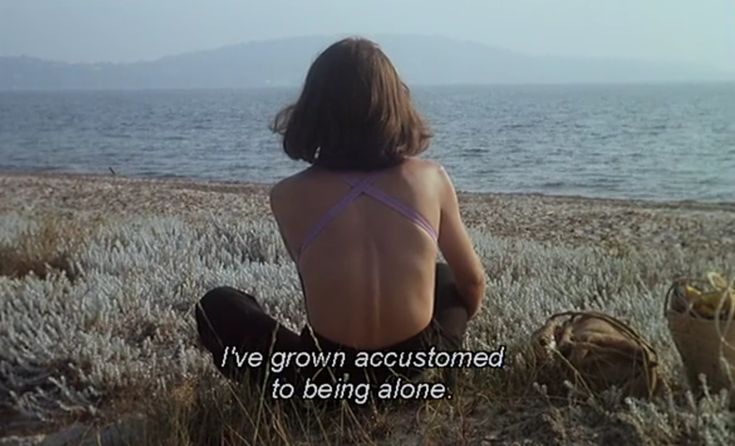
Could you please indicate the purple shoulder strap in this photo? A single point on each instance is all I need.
(397, 205)
(334, 211)
(360, 186)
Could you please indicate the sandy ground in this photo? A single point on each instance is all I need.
(575, 220)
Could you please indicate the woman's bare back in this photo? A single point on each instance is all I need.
(369, 274)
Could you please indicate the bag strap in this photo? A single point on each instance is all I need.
(651, 362)
(617, 324)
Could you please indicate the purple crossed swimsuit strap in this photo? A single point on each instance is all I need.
(402, 208)
(333, 212)
(365, 186)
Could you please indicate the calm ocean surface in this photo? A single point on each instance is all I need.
(658, 142)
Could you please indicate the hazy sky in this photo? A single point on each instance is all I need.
(699, 31)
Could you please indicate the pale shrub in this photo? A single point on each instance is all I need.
(125, 327)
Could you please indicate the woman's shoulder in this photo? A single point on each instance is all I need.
(429, 171)
(422, 164)
(418, 168)
(291, 182)
(413, 167)
(284, 191)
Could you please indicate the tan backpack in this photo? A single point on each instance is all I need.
(595, 351)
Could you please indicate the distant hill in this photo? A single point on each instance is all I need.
(422, 60)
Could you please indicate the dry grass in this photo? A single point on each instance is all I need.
(48, 246)
(113, 333)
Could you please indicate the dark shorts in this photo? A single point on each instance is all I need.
(234, 320)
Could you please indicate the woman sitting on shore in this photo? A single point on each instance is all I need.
(363, 224)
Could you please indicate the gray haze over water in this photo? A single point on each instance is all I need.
(700, 33)
(660, 142)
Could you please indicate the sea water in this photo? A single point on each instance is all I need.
(656, 142)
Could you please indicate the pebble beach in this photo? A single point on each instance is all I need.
(564, 219)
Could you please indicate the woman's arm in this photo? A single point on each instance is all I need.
(456, 246)
(276, 198)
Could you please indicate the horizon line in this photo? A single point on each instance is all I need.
(413, 86)
(367, 35)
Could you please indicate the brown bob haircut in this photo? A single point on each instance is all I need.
(354, 112)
